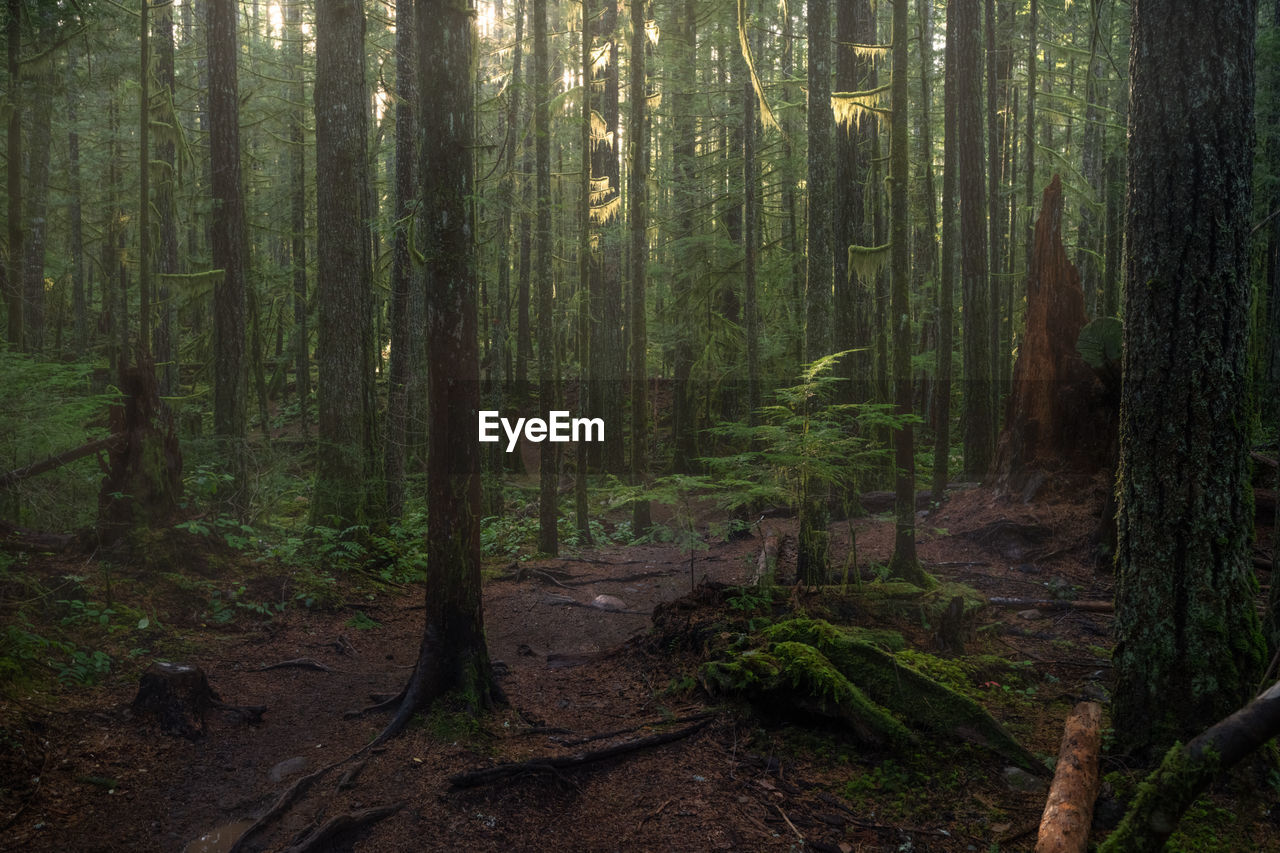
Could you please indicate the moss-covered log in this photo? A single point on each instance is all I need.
(1187, 770)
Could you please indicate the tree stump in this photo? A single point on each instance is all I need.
(1057, 418)
(178, 696)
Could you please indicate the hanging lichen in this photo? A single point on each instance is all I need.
(607, 211)
(766, 115)
(601, 57)
(651, 31)
(866, 262)
(850, 106)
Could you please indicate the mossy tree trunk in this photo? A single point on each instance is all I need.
(638, 177)
(453, 654)
(1190, 650)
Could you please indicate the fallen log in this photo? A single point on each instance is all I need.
(57, 460)
(1187, 770)
(556, 763)
(1068, 812)
(319, 838)
(768, 560)
(1091, 606)
(20, 539)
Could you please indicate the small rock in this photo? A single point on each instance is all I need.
(608, 602)
(1030, 614)
(1020, 780)
(288, 767)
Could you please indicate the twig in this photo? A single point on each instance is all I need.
(300, 663)
(789, 823)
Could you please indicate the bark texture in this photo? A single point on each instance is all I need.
(1185, 620)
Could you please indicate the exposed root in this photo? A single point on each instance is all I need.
(319, 838)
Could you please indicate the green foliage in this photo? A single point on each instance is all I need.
(803, 437)
(53, 409)
(1101, 343)
(362, 622)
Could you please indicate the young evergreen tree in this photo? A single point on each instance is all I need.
(1190, 650)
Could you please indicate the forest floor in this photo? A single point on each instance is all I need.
(78, 772)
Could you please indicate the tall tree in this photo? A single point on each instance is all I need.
(1190, 650)
(144, 183)
(904, 563)
(343, 286)
(683, 31)
(298, 210)
(228, 244)
(548, 511)
(13, 271)
(947, 265)
(979, 417)
(166, 350)
(402, 339)
(453, 655)
(638, 190)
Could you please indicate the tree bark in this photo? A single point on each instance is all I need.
(453, 654)
(1184, 591)
(638, 176)
(13, 274)
(548, 510)
(343, 287)
(229, 244)
(978, 419)
(1068, 813)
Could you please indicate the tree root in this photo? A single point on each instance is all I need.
(319, 837)
(300, 663)
(555, 763)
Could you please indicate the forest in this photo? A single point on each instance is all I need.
(838, 425)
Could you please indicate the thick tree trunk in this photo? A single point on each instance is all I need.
(166, 345)
(453, 654)
(13, 271)
(683, 31)
(36, 200)
(1184, 581)
(228, 244)
(298, 216)
(947, 263)
(343, 287)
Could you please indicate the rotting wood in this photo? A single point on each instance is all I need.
(556, 763)
(1090, 606)
(21, 539)
(319, 838)
(58, 460)
(768, 560)
(178, 696)
(1068, 811)
(1187, 770)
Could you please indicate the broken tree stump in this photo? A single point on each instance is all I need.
(1057, 418)
(1068, 812)
(178, 696)
(767, 563)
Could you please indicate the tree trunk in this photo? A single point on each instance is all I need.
(548, 510)
(947, 263)
(978, 419)
(1068, 813)
(343, 287)
(904, 563)
(1185, 586)
(453, 654)
(638, 175)
(36, 200)
(402, 272)
(13, 272)
(298, 215)
(166, 345)
(684, 33)
(228, 244)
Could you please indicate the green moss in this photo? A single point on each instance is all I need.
(914, 697)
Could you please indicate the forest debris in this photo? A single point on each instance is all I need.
(57, 460)
(1187, 770)
(319, 838)
(577, 741)
(300, 663)
(348, 779)
(21, 539)
(1088, 606)
(1016, 541)
(1068, 813)
(767, 563)
(556, 763)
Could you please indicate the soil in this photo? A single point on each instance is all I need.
(79, 772)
